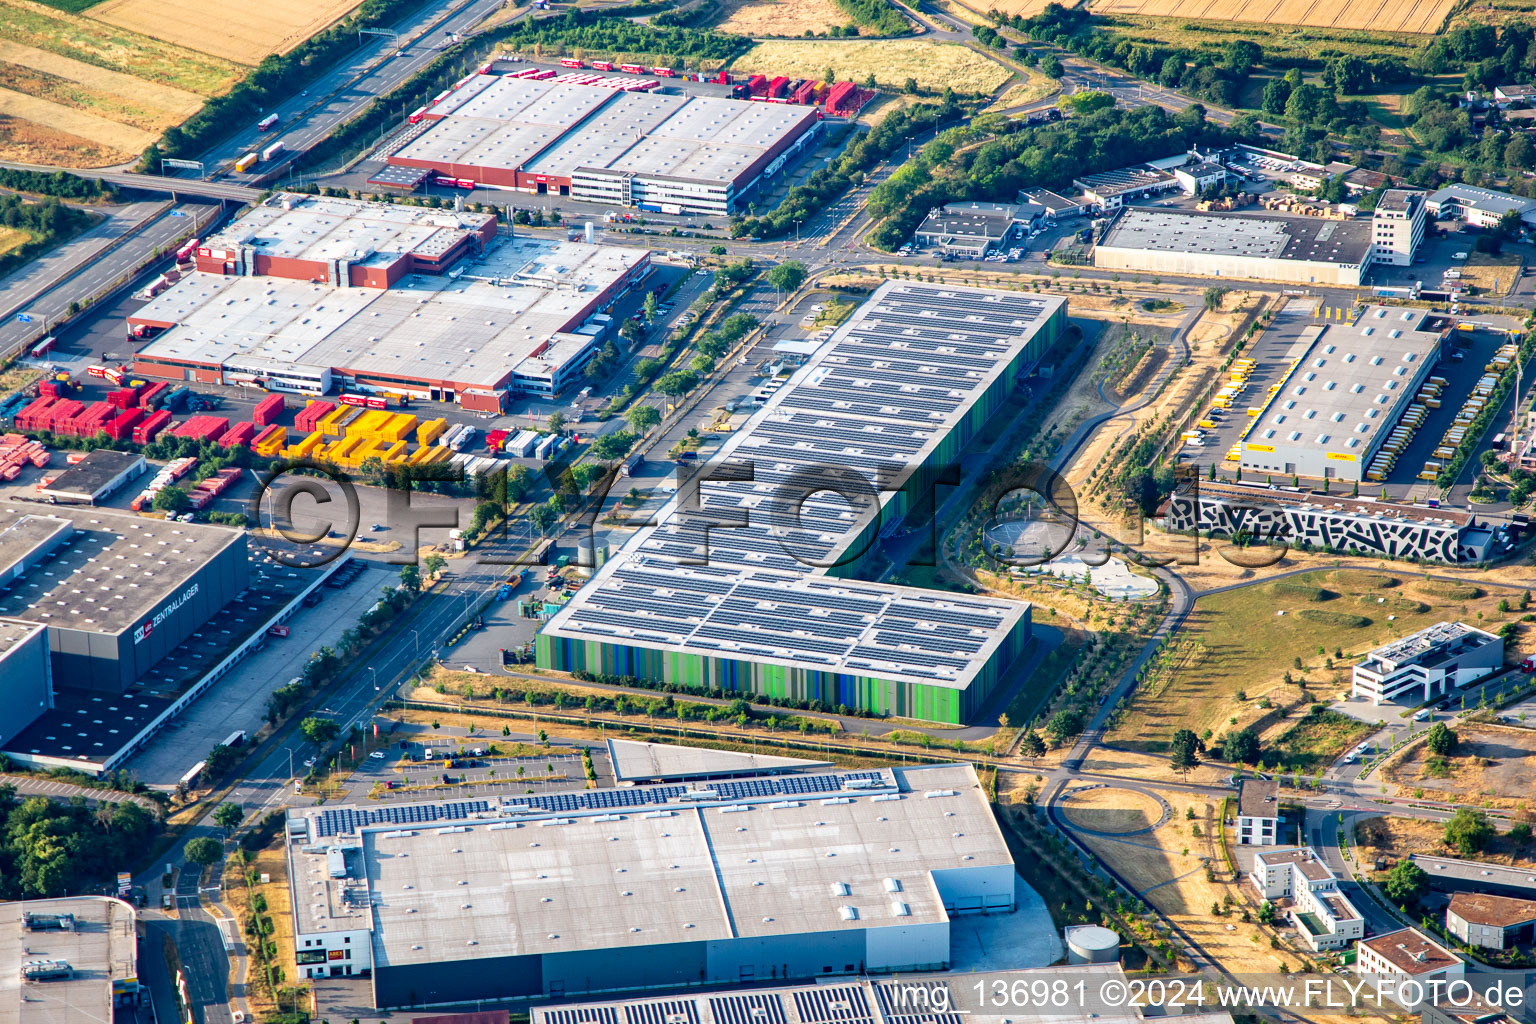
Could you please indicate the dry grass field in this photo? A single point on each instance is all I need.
(78, 92)
(269, 861)
(1027, 8)
(1035, 87)
(1418, 17)
(1491, 275)
(1395, 838)
(241, 34)
(1238, 642)
(11, 238)
(1110, 810)
(1492, 766)
(779, 17)
(891, 61)
(1168, 868)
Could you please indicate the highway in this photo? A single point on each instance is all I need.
(343, 92)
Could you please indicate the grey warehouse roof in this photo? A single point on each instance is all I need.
(1351, 383)
(101, 947)
(780, 855)
(104, 568)
(634, 761)
(1282, 238)
(744, 574)
(1484, 199)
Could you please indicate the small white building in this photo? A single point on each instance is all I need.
(1307, 893)
(1428, 663)
(1198, 175)
(1479, 207)
(1493, 922)
(1404, 963)
(1258, 812)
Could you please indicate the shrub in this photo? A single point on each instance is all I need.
(1343, 619)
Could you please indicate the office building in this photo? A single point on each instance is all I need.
(766, 605)
(1427, 664)
(1294, 250)
(69, 960)
(99, 475)
(974, 230)
(1307, 894)
(1351, 526)
(1479, 207)
(654, 151)
(1492, 922)
(306, 295)
(1389, 960)
(1111, 190)
(645, 887)
(1397, 227)
(1340, 400)
(1258, 812)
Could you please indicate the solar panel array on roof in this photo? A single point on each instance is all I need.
(582, 1015)
(666, 1011)
(743, 570)
(833, 1004)
(747, 1009)
(347, 820)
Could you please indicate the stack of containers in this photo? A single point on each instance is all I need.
(16, 451)
(202, 428)
(267, 411)
(206, 491)
(239, 435)
(269, 443)
(34, 416)
(494, 440)
(153, 396)
(430, 430)
(305, 422)
(146, 429)
(121, 427)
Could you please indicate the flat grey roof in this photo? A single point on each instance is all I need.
(557, 128)
(1353, 382)
(108, 569)
(1398, 200)
(1429, 643)
(645, 865)
(497, 317)
(1281, 238)
(634, 761)
(1485, 199)
(1476, 872)
(1258, 798)
(88, 477)
(322, 228)
(102, 948)
(1125, 179)
(873, 404)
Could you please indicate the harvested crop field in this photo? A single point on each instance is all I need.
(1420, 17)
(76, 92)
(241, 34)
(892, 61)
(780, 17)
(1024, 8)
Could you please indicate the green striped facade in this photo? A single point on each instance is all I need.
(925, 701)
(896, 698)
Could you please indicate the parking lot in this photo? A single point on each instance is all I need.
(404, 772)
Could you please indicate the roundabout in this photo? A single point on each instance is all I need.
(1114, 811)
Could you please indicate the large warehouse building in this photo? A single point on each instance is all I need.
(674, 154)
(1295, 250)
(747, 591)
(71, 960)
(646, 887)
(1343, 395)
(306, 294)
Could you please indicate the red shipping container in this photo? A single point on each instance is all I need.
(239, 434)
(203, 428)
(151, 393)
(776, 87)
(152, 424)
(267, 410)
(121, 426)
(48, 389)
(757, 85)
(61, 414)
(806, 94)
(31, 418)
(308, 416)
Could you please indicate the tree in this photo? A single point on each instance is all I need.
(1183, 751)
(1468, 831)
(434, 564)
(410, 578)
(1241, 56)
(787, 276)
(1213, 297)
(204, 851)
(1267, 913)
(556, 422)
(1241, 747)
(1442, 739)
(677, 383)
(1404, 883)
(1064, 724)
(630, 330)
(220, 760)
(1050, 66)
(171, 499)
(1031, 745)
(641, 418)
(319, 730)
(228, 816)
(1089, 101)
(1519, 833)
(649, 308)
(543, 517)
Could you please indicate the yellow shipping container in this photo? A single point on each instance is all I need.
(430, 431)
(304, 447)
(398, 427)
(334, 423)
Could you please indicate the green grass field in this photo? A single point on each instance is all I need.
(1239, 642)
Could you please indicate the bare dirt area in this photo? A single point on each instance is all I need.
(1492, 765)
(1416, 16)
(1178, 869)
(1393, 839)
(244, 34)
(761, 18)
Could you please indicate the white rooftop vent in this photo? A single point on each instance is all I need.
(848, 913)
